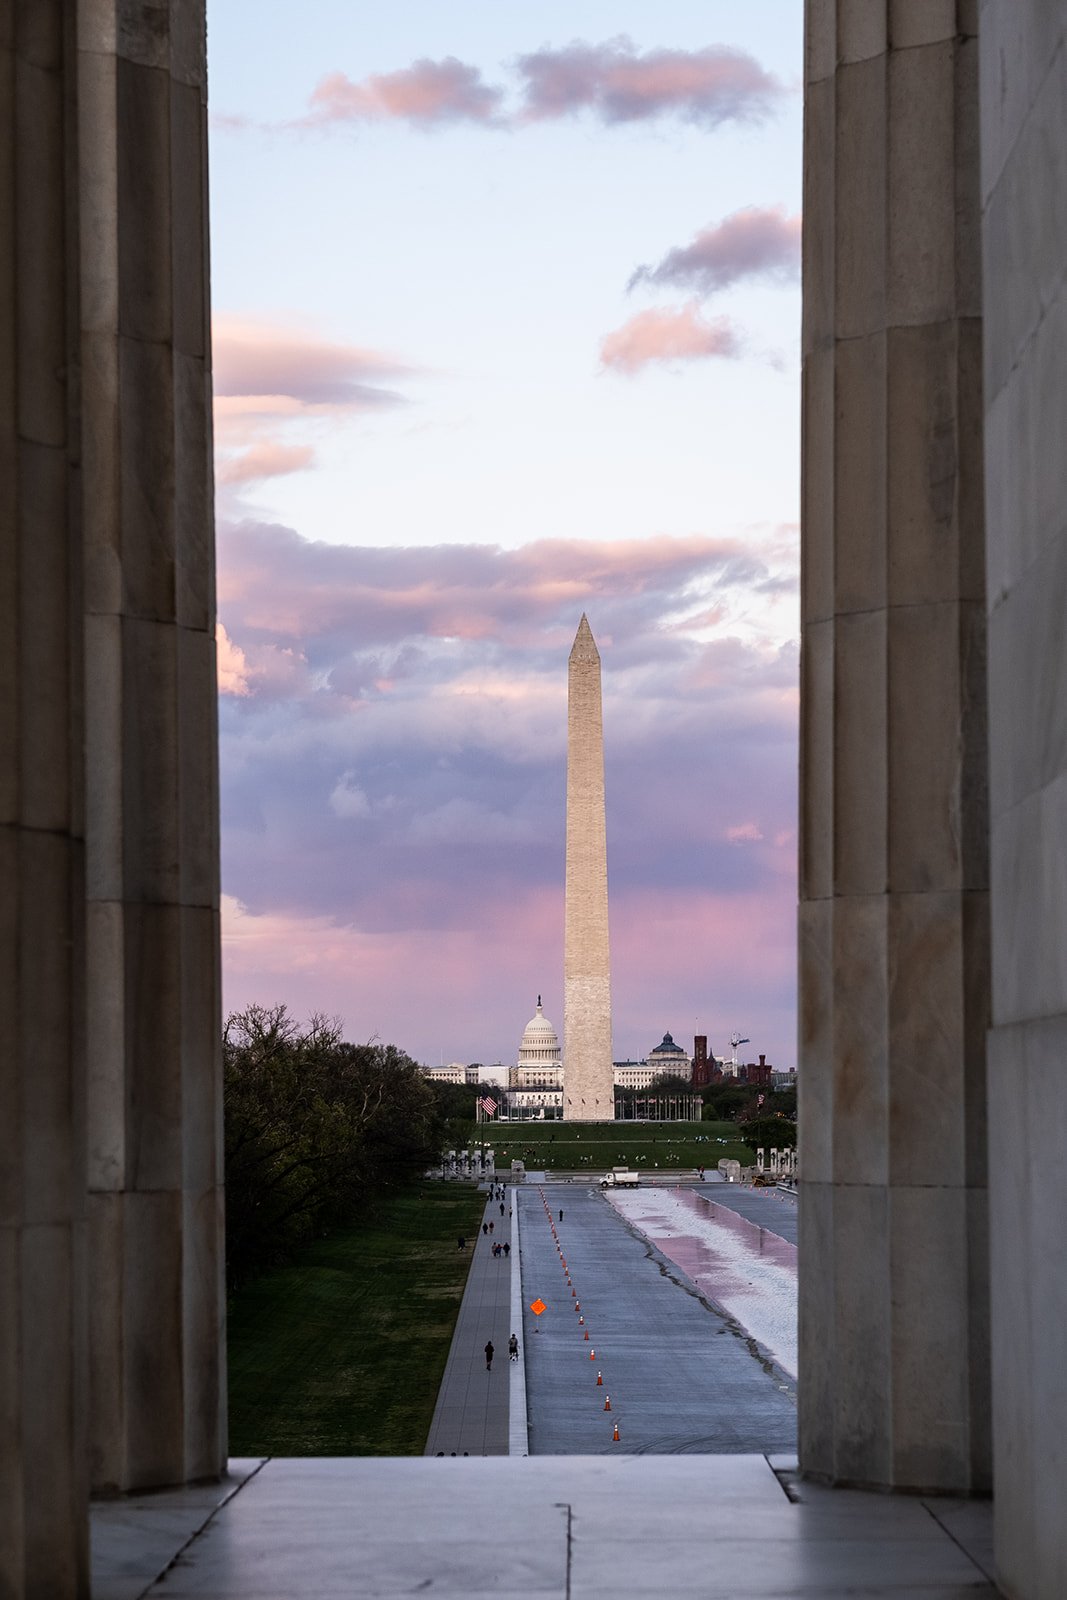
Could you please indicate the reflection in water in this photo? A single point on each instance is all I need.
(747, 1270)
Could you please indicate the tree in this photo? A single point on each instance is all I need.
(312, 1125)
(769, 1133)
(723, 1102)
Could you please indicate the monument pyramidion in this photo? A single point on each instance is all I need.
(588, 1093)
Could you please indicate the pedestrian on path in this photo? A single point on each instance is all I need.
(485, 1228)
(501, 1208)
(561, 1216)
(513, 1348)
(490, 1227)
(489, 1355)
(507, 1248)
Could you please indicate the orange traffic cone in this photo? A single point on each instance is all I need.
(615, 1435)
(607, 1402)
(581, 1324)
(574, 1292)
(587, 1330)
(592, 1355)
(600, 1380)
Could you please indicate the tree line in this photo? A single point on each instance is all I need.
(313, 1126)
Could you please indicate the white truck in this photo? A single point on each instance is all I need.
(620, 1178)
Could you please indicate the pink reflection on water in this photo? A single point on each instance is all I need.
(744, 1268)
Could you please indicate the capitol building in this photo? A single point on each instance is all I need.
(535, 1085)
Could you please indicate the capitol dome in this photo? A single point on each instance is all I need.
(540, 1043)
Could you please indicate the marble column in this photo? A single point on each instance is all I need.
(1024, 182)
(43, 1487)
(154, 1072)
(893, 926)
(588, 1087)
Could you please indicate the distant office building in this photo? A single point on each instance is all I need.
(706, 1069)
(454, 1072)
(758, 1073)
(632, 1074)
(669, 1059)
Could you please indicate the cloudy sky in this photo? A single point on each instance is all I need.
(506, 315)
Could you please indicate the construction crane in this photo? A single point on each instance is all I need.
(735, 1040)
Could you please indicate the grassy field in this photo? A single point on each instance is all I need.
(597, 1146)
(342, 1353)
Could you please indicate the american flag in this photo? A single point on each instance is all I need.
(488, 1104)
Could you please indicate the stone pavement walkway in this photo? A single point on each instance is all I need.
(471, 1416)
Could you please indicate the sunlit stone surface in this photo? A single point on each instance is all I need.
(588, 1087)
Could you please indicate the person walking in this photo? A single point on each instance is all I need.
(513, 1348)
(561, 1216)
(507, 1248)
(485, 1229)
(501, 1208)
(489, 1355)
(490, 1227)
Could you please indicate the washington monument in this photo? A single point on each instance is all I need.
(588, 1093)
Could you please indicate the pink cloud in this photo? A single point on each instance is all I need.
(272, 358)
(681, 335)
(427, 93)
(674, 958)
(268, 459)
(620, 84)
(753, 243)
(272, 376)
(744, 833)
(231, 666)
(287, 588)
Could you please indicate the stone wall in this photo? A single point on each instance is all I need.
(111, 1282)
(1024, 188)
(893, 928)
(43, 1463)
(154, 1110)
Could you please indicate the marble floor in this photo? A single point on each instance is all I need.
(645, 1527)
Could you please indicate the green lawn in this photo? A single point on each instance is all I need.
(598, 1146)
(342, 1353)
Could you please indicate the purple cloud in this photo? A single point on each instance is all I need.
(620, 84)
(613, 80)
(753, 243)
(393, 746)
